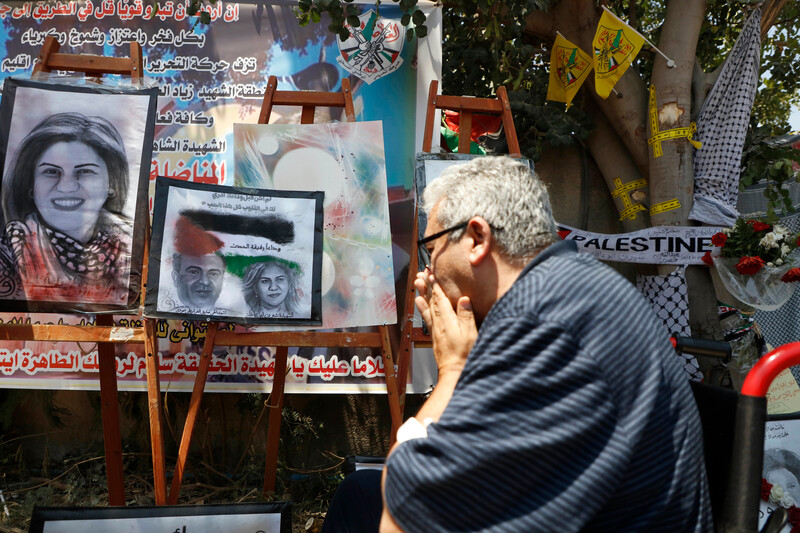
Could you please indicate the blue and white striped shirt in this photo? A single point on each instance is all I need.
(572, 413)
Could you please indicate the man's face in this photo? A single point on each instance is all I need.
(449, 260)
(199, 280)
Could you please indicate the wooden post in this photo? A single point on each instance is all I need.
(109, 409)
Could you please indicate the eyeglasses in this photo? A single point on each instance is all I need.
(424, 253)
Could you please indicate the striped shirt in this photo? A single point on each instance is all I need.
(571, 414)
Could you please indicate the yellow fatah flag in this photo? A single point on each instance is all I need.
(615, 46)
(569, 68)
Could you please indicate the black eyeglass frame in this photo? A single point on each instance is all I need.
(424, 254)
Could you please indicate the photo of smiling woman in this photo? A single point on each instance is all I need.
(270, 289)
(63, 200)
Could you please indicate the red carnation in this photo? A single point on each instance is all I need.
(794, 518)
(792, 275)
(707, 259)
(749, 265)
(718, 239)
(766, 488)
(759, 226)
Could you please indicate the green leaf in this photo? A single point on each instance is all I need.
(409, 35)
(405, 19)
(314, 14)
(418, 17)
(344, 33)
(205, 17)
(421, 31)
(353, 21)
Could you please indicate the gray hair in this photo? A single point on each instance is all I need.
(504, 192)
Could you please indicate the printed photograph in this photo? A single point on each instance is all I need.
(235, 255)
(74, 195)
(780, 484)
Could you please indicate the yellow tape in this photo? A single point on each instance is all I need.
(631, 185)
(630, 213)
(676, 133)
(621, 190)
(669, 205)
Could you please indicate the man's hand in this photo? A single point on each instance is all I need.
(453, 331)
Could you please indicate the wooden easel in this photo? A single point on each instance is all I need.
(467, 106)
(103, 332)
(308, 100)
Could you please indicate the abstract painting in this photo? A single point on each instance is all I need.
(346, 161)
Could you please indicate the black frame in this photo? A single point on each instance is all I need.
(139, 188)
(41, 515)
(163, 186)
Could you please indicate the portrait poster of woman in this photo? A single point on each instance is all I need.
(780, 485)
(248, 256)
(76, 162)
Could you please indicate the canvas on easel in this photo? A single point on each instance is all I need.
(75, 161)
(103, 332)
(338, 197)
(467, 106)
(250, 256)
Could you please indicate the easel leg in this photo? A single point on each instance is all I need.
(276, 410)
(191, 416)
(155, 410)
(109, 407)
(391, 383)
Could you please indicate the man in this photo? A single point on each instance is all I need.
(198, 279)
(198, 270)
(560, 405)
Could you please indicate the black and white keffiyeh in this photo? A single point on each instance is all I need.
(722, 127)
(668, 296)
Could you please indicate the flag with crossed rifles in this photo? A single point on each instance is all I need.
(569, 68)
(615, 46)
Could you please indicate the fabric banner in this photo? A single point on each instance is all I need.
(211, 77)
(669, 297)
(722, 128)
(662, 245)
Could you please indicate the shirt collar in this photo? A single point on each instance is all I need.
(554, 250)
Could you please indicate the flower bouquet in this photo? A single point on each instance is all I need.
(755, 263)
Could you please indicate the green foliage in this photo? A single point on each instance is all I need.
(485, 47)
(764, 160)
(340, 12)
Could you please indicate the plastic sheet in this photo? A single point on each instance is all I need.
(763, 290)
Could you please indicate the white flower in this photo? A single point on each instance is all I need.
(776, 494)
(787, 501)
(778, 262)
(784, 250)
(781, 231)
(727, 231)
(781, 497)
(770, 265)
(769, 241)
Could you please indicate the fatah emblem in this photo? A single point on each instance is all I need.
(570, 65)
(612, 47)
(373, 48)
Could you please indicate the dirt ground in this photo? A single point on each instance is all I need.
(82, 483)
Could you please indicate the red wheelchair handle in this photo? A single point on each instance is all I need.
(768, 367)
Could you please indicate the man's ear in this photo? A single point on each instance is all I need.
(479, 231)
